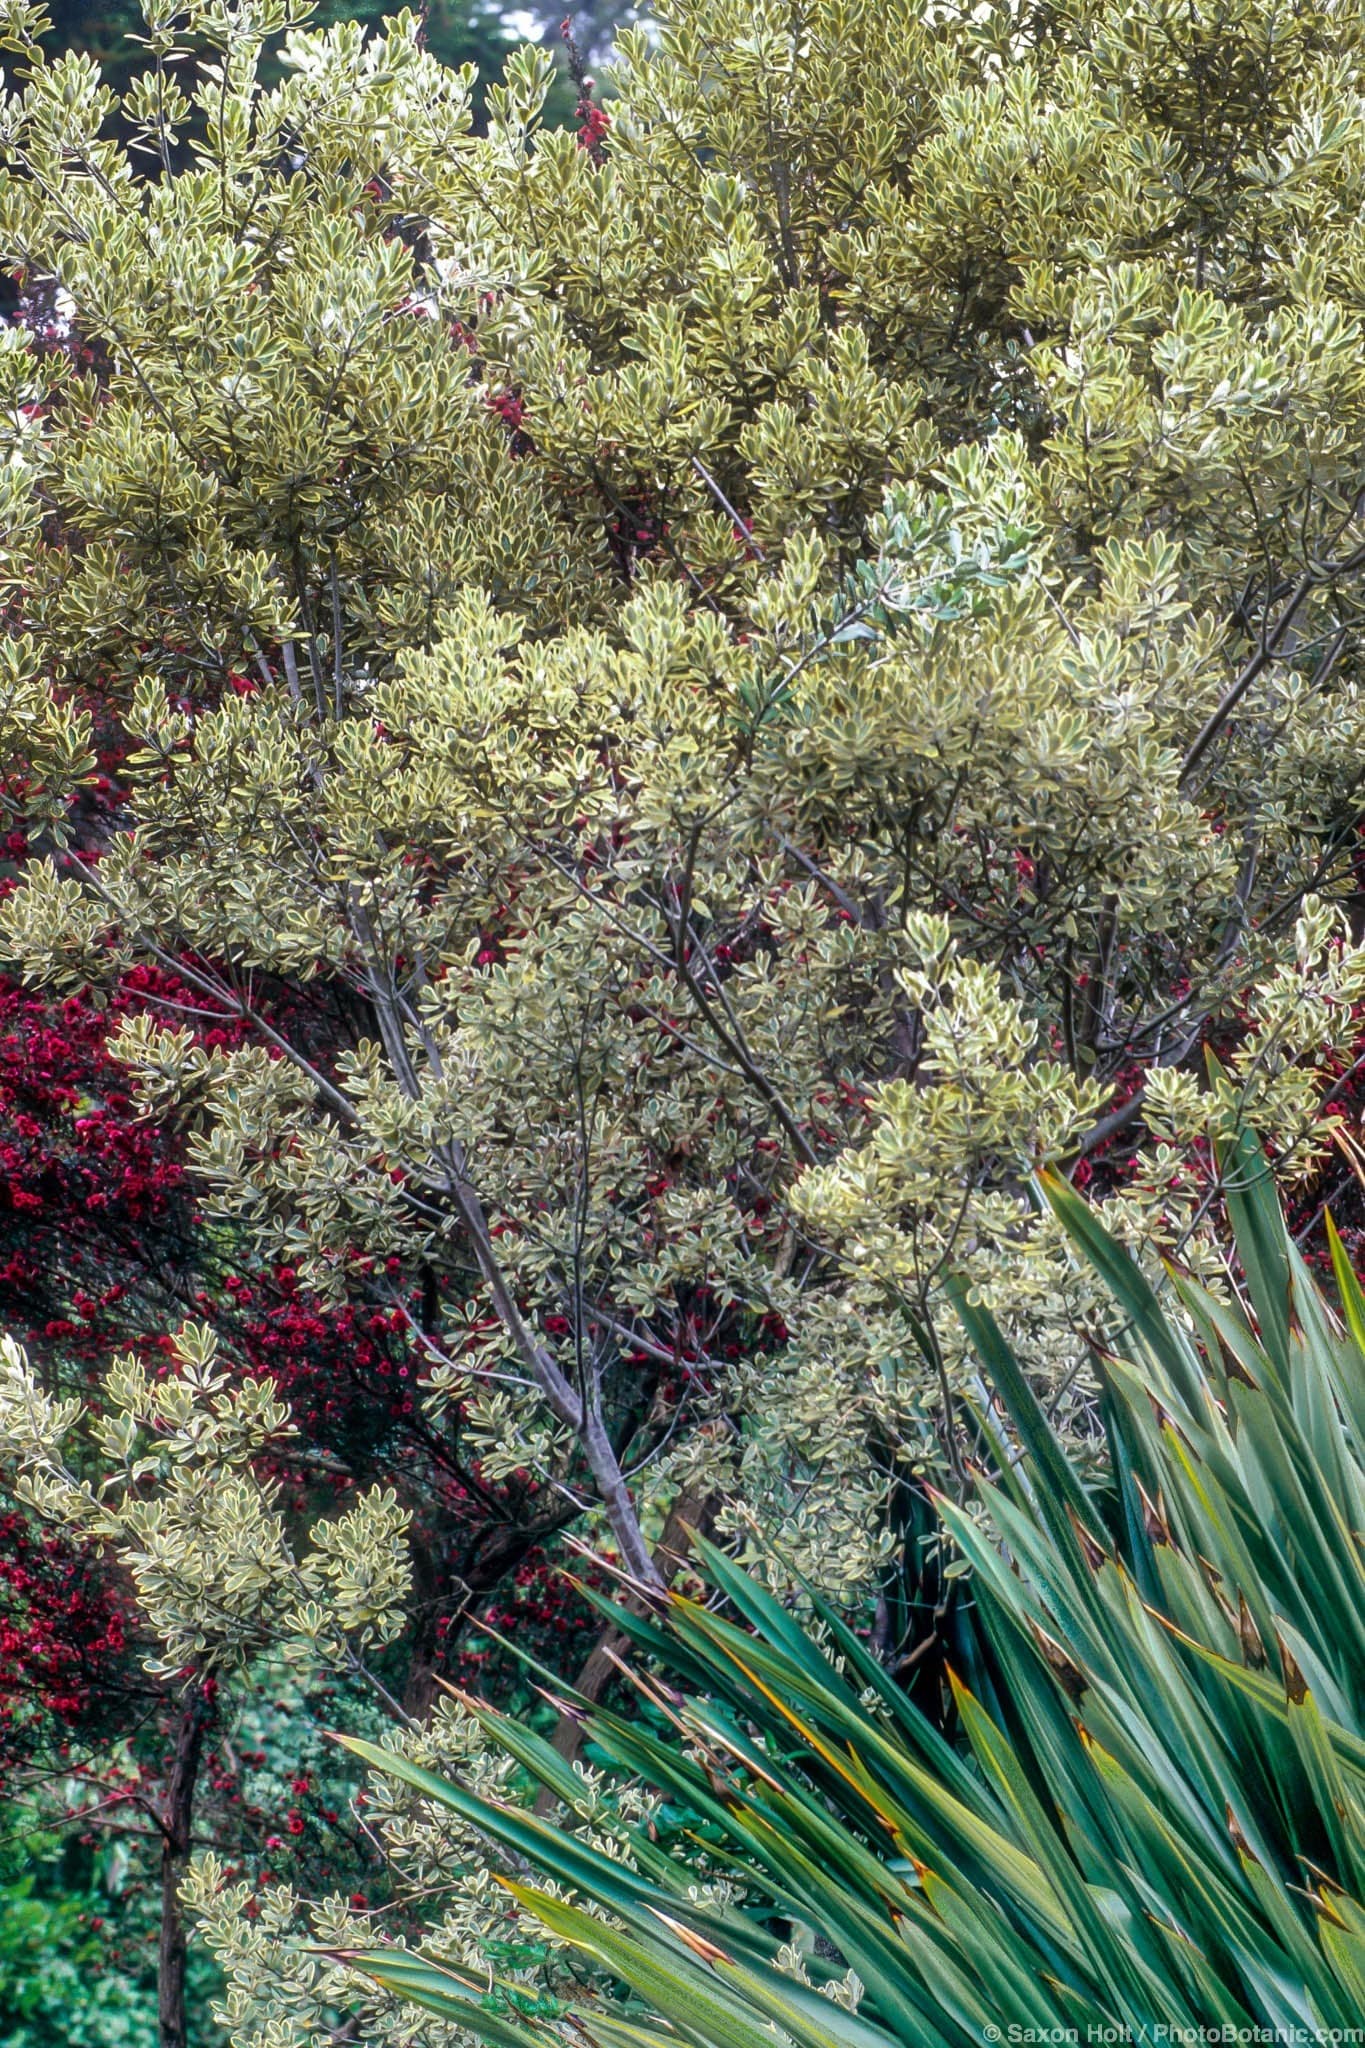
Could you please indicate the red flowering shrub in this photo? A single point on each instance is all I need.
(65, 1632)
(96, 1219)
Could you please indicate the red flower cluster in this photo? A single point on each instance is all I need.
(63, 1635)
(593, 121)
(97, 1220)
(542, 1611)
(347, 1372)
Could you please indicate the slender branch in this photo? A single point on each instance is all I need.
(337, 685)
(234, 1005)
(826, 881)
(1108, 1126)
(741, 525)
(1266, 653)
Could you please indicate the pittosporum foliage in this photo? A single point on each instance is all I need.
(477, 33)
(772, 672)
(691, 699)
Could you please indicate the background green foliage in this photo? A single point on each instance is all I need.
(75, 1954)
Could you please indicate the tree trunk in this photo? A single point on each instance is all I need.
(424, 1629)
(195, 1713)
(616, 1499)
(691, 1513)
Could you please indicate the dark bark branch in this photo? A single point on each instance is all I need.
(1272, 639)
(176, 1842)
(1108, 1126)
(693, 1510)
(576, 1411)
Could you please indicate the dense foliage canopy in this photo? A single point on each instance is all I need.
(617, 710)
(610, 735)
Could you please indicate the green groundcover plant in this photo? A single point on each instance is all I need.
(1156, 1812)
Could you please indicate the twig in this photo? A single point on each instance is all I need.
(741, 525)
